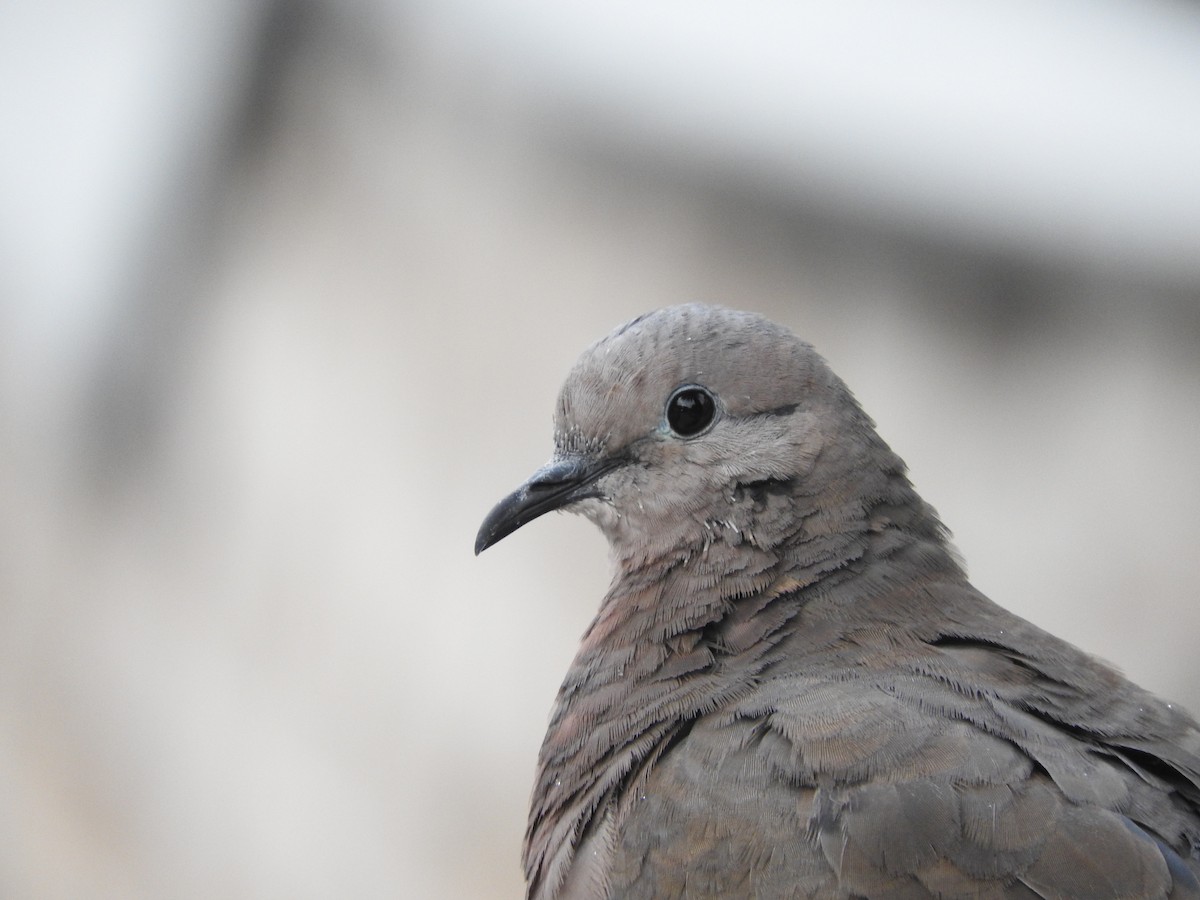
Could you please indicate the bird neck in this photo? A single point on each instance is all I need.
(692, 628)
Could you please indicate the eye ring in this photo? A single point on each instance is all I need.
(691, 409)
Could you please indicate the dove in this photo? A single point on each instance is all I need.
(791, 689)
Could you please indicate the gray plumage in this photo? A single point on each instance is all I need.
(791, 689)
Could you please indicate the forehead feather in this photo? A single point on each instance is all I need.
(618, 389)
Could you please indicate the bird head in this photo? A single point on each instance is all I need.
(671, 430)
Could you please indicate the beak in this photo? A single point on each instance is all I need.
(554, 486)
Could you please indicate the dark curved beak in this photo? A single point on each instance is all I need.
(558, 484)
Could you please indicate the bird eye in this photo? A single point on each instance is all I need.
(690, 410)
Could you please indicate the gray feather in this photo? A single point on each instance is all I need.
(791, 689)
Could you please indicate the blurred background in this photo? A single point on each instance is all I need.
(287, 289)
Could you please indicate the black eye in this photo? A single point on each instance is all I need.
(690, 410)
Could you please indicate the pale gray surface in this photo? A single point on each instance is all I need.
(252, 421)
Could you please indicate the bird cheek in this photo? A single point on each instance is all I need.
(600, 513)
(786, 453)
